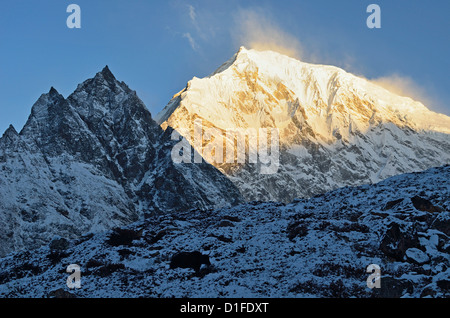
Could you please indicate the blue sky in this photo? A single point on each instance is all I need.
(157, 46)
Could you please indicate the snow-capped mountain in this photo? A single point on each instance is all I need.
(93, 161)
(318, 247)
(335, 129)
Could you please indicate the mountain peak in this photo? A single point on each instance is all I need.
(107, 75)
(320, 111)
(107, 72)
(11, 131)
(98, 85)
(242, 49)
(10, 136)
(230, 62)
(53, 92)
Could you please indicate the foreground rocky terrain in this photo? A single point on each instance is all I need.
(318, 247)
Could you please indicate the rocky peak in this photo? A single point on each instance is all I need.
(45, 101)
(48, 111)
(107, 74)
(91, 162)
(10, 136)
(11, 132)
(101, 86)
(53, 92)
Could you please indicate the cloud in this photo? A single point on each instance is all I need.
(191, 40)
(406, 86)
(195, 31)
(255, 29)
(192, 14)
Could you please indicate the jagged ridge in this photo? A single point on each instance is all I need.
(91, 162)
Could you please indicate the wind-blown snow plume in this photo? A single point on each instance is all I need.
(255, 29)
(406, 86)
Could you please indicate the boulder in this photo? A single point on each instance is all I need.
(397, 240)
(59, 244)
(424, 205)
(61, 293)
(416, 256)
(442, 223)
(392, 288)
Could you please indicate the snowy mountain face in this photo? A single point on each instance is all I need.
(318, 247)
(91, 162)
(335, 129)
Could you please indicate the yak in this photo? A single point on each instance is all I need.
(192, 260)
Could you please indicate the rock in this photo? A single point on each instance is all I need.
(442, 223)
(158, 236)
(440, 286)
(296, 229)
(61, 293)
(59, 244)
(232, 218)
(392, 204)
(222, 238)
(428, 291)
(424, 205)
(416, 256)
(397, 240)
(225, 223)
(124, 236)
(392, 288)
(444, 284)
(444, 248)
(108, 269)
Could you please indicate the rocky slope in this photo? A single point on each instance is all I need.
(335, 129)
(318, 247)
(93, 161)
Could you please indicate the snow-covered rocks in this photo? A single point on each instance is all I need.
(416, 256)
(320, 247)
